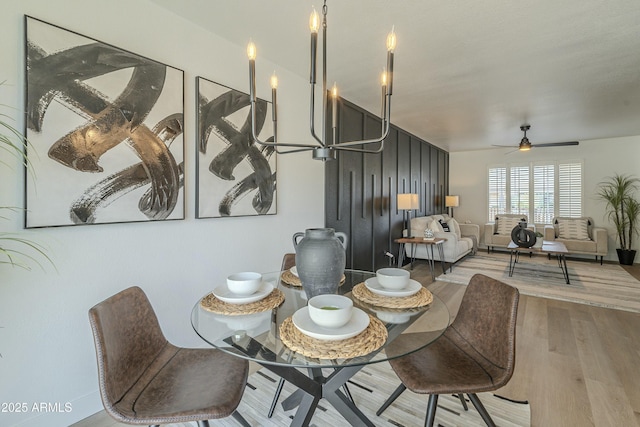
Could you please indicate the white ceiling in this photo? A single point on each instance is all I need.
(467, 73)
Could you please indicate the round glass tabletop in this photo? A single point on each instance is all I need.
(256, 336)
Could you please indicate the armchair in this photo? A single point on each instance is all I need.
(579, 236)
(498, 233)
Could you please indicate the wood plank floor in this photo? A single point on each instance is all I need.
(577, 365)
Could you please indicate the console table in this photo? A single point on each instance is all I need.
(436, 241)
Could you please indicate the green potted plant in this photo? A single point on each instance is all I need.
(14, 249)
(623, 210)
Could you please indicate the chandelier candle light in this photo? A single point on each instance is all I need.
(323, 149)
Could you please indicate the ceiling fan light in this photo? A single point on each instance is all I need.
(525, 145)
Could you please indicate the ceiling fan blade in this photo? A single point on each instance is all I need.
(556, 144)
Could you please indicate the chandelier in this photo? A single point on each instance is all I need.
(324, 147)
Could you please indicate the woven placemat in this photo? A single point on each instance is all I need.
(365, 342)
(214, 305)
(420, 299)
(291, 279)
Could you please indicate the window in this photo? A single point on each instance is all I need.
(538, 190)
(497, 191)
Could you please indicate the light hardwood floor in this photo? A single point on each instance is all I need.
(576, 364)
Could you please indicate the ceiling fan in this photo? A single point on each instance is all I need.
(525, 145)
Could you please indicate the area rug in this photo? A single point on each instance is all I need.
(607, 285)
(370, 388)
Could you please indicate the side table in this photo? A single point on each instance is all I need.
(436, 241)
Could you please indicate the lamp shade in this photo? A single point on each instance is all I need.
(407, 201)
(452, 201)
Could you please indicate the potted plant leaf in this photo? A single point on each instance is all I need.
(623, 210)
(14, 249)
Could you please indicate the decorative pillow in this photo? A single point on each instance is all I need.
(436, 227)
(556, 226)
(454, 226)
(506, 224)
(575, 229)
(444, 225)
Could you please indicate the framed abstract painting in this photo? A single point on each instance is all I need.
(235, 176)
(105, 128)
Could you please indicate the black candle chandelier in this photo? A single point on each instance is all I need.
(325, 146)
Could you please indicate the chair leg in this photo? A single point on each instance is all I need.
(481, 410)
(239, 418)
(391, 398)
(462, 401)
(203, 423)
(431, 410)
(274, 402)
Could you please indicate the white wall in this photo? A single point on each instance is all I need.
(602, 158)
(45, 341)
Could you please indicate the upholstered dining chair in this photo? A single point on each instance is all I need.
(288, 261)
(145, 380)
(476, 353)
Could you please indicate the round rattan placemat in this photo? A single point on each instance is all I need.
(420, 299)
(214, 305)
(365, 342)
(291, 279)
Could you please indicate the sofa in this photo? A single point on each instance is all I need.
(579, 236)
(497, 234)
(462, 239)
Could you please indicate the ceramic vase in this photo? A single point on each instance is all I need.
(320, 259)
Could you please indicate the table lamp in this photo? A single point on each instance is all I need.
(407, 202)
(452, 202)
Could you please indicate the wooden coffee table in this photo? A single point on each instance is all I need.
(436, 241)
(558, 249)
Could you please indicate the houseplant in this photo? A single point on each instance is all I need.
(623, 210)
(14, 249)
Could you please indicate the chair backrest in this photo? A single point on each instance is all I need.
(487, 321)
(288, 261)
(127, 338)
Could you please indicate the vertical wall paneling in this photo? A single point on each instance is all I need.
(361, 189)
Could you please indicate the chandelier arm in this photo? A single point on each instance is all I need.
(255, 138)
(294, 151)
(312, 114)
(359, 150)
(385, 134)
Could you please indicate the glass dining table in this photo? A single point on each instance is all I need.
(257, 337)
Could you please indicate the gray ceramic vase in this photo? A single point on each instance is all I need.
(320, 260)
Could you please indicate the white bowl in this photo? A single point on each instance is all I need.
(330, 311)
(393, 278)
(245, 283)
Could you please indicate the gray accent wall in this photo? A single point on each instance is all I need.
(361, 189)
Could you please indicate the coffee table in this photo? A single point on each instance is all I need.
(558, 249)
(436, 241)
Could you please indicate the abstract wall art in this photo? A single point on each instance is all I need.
(105, 128)
(235, 177)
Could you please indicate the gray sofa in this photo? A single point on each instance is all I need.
(579, 236)
(462, 239)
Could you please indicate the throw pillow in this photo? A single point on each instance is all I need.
(454, 226)
(444, 225)
(575, 229)
(506, 224)
(436, 227)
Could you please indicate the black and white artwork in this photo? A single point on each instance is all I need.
(105, 128)
(236, 177)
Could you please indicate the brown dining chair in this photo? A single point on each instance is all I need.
(475, 354)
(288, 261)
(145, 380)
